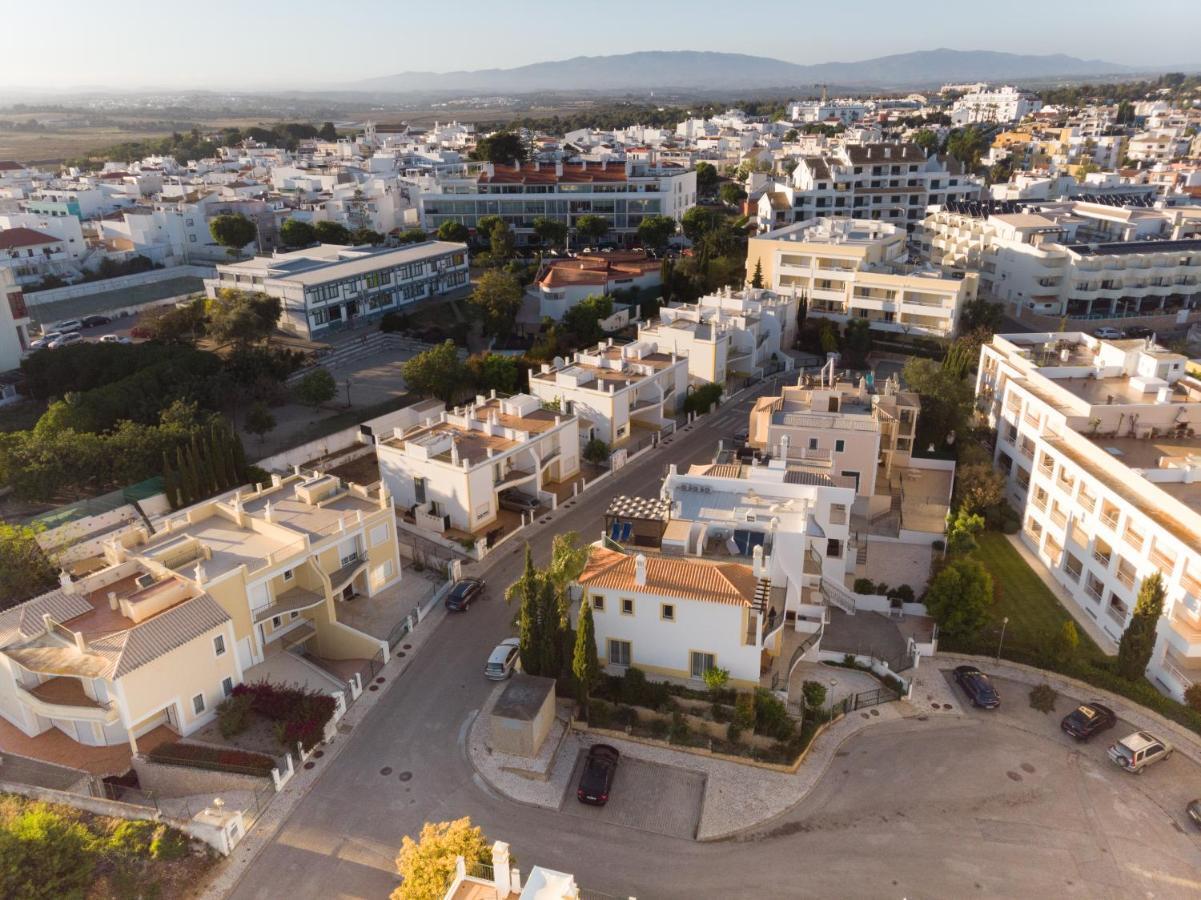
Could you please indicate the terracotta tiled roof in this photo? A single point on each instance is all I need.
(7, 165)
(25, 621)
(11, 238)
(729, 583)
(598, 269)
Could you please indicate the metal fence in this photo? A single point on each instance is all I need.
(864, 699)
(257, 802)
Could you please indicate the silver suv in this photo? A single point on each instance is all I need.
(1137, 751)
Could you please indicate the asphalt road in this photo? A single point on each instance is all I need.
(990, 805)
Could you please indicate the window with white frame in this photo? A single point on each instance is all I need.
(379, 534)
(700, 663)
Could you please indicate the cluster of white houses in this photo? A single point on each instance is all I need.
(1098, 440)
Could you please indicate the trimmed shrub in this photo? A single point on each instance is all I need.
(733, 733)
(303, 713)
(814, 693)
(634, 687)
(864, 586)
(679, 729)
(744, 711)
(771, 716)
(202, 756)
(233, 714)
(600, 714)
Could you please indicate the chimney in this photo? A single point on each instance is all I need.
(640, 570)
(112, 600)
(454, 452)
(757, 566)
(65, 582)
(501, 873)
(558, 168)
(784, 441)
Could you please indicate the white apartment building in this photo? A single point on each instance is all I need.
(1078, 260)
(66, 229)
(854, 269)
(451, 472)
(1097, 441)
(329, 286)
(884, 182)
(562, 283)
(1158, 146)
(31, 255)
(620, 393)
(1003, 104)
(623, 193)
(844, 111)
(731, 333)
(14, 326)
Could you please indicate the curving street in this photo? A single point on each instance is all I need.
(992, 804)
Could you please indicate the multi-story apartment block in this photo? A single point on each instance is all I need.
(731, 333)
(733, 567)
(1082, 260)
(164, 624)
(1003, 104)
(32, 255)
(844, 111)
(1097, 440)
(849, 268)
(618, 392)
(622, 193)
(455, 471)
(14, 324)
(329, 286)
(885, 182)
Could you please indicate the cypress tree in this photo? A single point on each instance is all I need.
(1138, 640)
(238, 452)
(187, 482)
(217, 447)
(170, 483)
(525, 590)
(584, 662)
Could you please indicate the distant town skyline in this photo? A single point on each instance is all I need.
(304, 44)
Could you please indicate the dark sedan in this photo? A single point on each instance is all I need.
(597, 777)
(464, 593)
(1194, 812)
(1088, 719)
(93, 321)
(978, 687)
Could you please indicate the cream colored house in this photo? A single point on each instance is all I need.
(451, 471)
(856, 269)
(163, 625)
(616, 391)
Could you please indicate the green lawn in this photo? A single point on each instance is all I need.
(1035, 614)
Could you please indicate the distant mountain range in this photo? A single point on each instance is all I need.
(659, 69)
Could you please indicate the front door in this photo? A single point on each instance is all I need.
(348, 591)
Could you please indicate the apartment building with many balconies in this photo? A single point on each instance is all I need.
(1097, 440)
(327, 287)
(621, 192)
(14, 325)
(1003, 104)
(458, 471)
(853, 269)
(159, 629)
(733, 333)
(619, 392)
(879, 181)
(1080, 260)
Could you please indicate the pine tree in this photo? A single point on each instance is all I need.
(1138, 640)
(757, 278)
(584, 662)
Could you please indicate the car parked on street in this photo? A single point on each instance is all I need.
(464, 593)
(65, 340)
(115, 339)
(45, 340)
(503, 661)
(978, 687)
(597, 778)
(1194, 812)
(1088, 719)
(1107, 333)
(1138, 331)
(69, 325)
(1137, 751)
(93, 321)
(515, 501)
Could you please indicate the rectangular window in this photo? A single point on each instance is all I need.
(667, 612)
(839, 446)
(598, 603)
(700, 663)
(619, 653)
(219, 645)
(627, 606)
(834, 548)
(289, 574)
(227, 686)
(198, 704)
(276, 621)
(379, 534)
(812, 443)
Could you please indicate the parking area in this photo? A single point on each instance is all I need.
(1169, 785)
(645, 795)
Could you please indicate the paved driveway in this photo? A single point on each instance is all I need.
(645, 795)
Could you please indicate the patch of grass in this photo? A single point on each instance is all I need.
(1035, 614)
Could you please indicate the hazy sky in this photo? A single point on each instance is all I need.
(267, 43)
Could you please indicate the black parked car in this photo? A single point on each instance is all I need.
(597, 777)
(1088, 719)
(93, 321)
(1138, 331)
(978, 687)
(464, 593)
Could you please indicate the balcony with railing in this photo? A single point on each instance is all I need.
(1102, 553)
(64, 698)
(1125, 574)
(1058, 516)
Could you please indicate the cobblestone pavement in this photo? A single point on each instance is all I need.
(645, 795)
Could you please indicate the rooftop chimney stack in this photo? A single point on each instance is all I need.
(640, 570)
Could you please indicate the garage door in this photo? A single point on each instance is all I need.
(645, 795)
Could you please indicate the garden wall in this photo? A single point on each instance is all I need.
(186, 781)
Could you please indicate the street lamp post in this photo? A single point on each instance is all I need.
(1004, 622)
